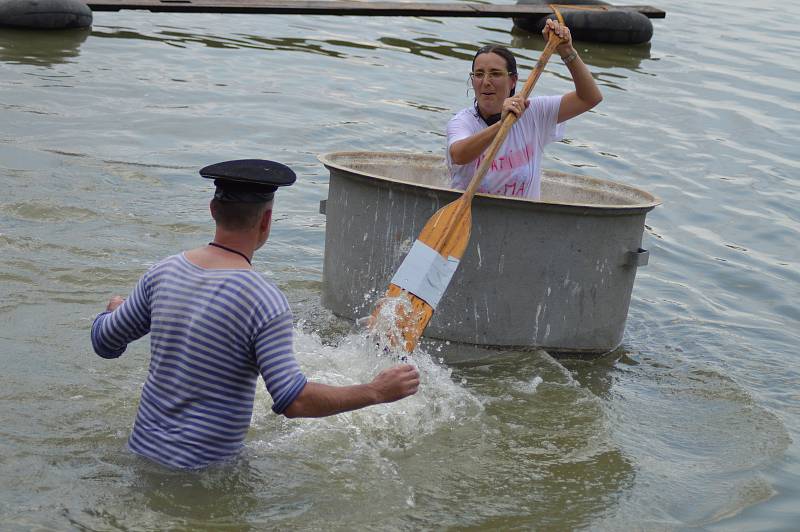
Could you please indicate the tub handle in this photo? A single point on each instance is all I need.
(323, 206)
(637, 258)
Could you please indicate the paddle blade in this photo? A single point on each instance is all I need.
(447, 232)
(400, 318)
(448, 229)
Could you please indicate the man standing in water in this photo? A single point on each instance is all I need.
(215, 326)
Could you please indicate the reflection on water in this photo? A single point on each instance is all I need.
(182, 39)
(433, 48)
(594, 54)
(428, 47)
(40, 47)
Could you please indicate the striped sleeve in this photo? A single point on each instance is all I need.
(113, 331)
(276, 362)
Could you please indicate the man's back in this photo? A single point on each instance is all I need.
(212, 333)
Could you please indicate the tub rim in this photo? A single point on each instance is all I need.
(653, 200)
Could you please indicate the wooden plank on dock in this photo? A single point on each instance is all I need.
(344, 7)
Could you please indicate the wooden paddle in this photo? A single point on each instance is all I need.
(448, 230)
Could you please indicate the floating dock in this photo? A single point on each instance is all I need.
(345, 7)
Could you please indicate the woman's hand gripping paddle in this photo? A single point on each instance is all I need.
(425, 273)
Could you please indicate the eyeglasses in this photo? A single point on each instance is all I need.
(493, 75)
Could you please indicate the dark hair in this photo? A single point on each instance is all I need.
(236, 216)
(502, 51)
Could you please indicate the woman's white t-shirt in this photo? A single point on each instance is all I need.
(516, 170)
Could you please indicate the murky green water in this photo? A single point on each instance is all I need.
(694, 423)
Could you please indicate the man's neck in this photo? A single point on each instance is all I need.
(225, 251)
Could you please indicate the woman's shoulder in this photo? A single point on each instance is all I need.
(465, 118)
(467, 113)
(546, 100)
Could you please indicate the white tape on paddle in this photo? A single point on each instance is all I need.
(425, 273)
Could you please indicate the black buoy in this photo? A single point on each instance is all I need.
(614, 26)
(45, 14)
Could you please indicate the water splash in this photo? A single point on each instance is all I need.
(440, 403)
(382, 328)
(530, 386)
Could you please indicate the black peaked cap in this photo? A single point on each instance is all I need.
(248, 180)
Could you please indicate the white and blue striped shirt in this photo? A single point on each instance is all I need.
(212, 332)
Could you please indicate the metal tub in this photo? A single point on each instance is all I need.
(556, 273)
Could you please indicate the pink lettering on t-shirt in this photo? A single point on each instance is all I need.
(515, 188)
(507, 161)
(511, 159)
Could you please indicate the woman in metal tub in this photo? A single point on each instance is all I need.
(516, 170)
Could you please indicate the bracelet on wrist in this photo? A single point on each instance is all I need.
(570, 57)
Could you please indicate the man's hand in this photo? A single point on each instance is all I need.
(114, 302)
(395, 383)
(318, 400)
